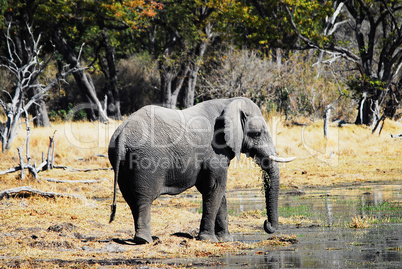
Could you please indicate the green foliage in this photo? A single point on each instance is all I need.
(69, 114)
(59, 115)
(82, 22)
(363, 84)
(3, 8)
(266, 24)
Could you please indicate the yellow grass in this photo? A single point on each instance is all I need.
(351, 154)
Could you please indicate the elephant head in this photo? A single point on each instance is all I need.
(246, 131)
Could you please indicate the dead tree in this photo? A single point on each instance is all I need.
(32, 167)
(84, 81)
(327, 111)
(26, 74)
(378, 63)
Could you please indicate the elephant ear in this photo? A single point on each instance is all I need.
(233, 117)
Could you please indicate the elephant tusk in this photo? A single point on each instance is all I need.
(281, 160)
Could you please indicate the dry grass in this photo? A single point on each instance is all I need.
(360, 222)
(351, 154)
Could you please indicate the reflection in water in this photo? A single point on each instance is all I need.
(331, 206)
(328, 207)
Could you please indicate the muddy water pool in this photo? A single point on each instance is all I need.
(327, 240)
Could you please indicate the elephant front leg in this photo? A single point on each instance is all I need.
(222, 222)
(211, 202)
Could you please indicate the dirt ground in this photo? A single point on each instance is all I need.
(74, 232)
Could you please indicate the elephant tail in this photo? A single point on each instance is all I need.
(120, 153)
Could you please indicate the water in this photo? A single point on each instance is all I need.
(329, 205)
(328, 248)
(331, 243)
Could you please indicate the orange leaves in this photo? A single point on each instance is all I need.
(133, 12)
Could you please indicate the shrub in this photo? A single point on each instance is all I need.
(138, 83)
(294, 87)
(63, 115)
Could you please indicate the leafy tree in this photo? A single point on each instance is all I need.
(69, 24)
(178, 38)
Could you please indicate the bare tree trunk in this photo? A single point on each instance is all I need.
(111, 77)
(171, 83)
(80, 76)
(25, 78)
(166, 87)
(368, 111)
(278, 60)
(194, 67)
(39, 111)
(327, 118)
(188, 93)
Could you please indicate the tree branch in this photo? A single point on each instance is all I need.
(89, 181)
(343, 52)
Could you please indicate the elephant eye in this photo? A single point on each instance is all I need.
(254, 134)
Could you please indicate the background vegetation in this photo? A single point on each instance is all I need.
(294, 57)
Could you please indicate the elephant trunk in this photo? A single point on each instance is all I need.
(271, 184)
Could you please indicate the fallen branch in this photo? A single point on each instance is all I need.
(96, 155)
(10, 170)
(89, 181)
(80, 169)
(28, 190)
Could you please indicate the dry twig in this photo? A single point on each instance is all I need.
(89, 181)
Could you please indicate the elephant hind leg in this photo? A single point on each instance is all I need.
(141, 211)
(142, 222)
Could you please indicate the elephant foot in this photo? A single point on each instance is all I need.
(207, 237)
(139, 240)
(224, 237)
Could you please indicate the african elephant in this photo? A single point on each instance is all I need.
(159, 151)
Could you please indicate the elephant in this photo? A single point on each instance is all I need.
(158, 151)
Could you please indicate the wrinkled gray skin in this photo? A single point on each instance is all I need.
(162, 151)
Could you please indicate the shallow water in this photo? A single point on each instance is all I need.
(329, 205)
(331, 243)
(329, 248)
